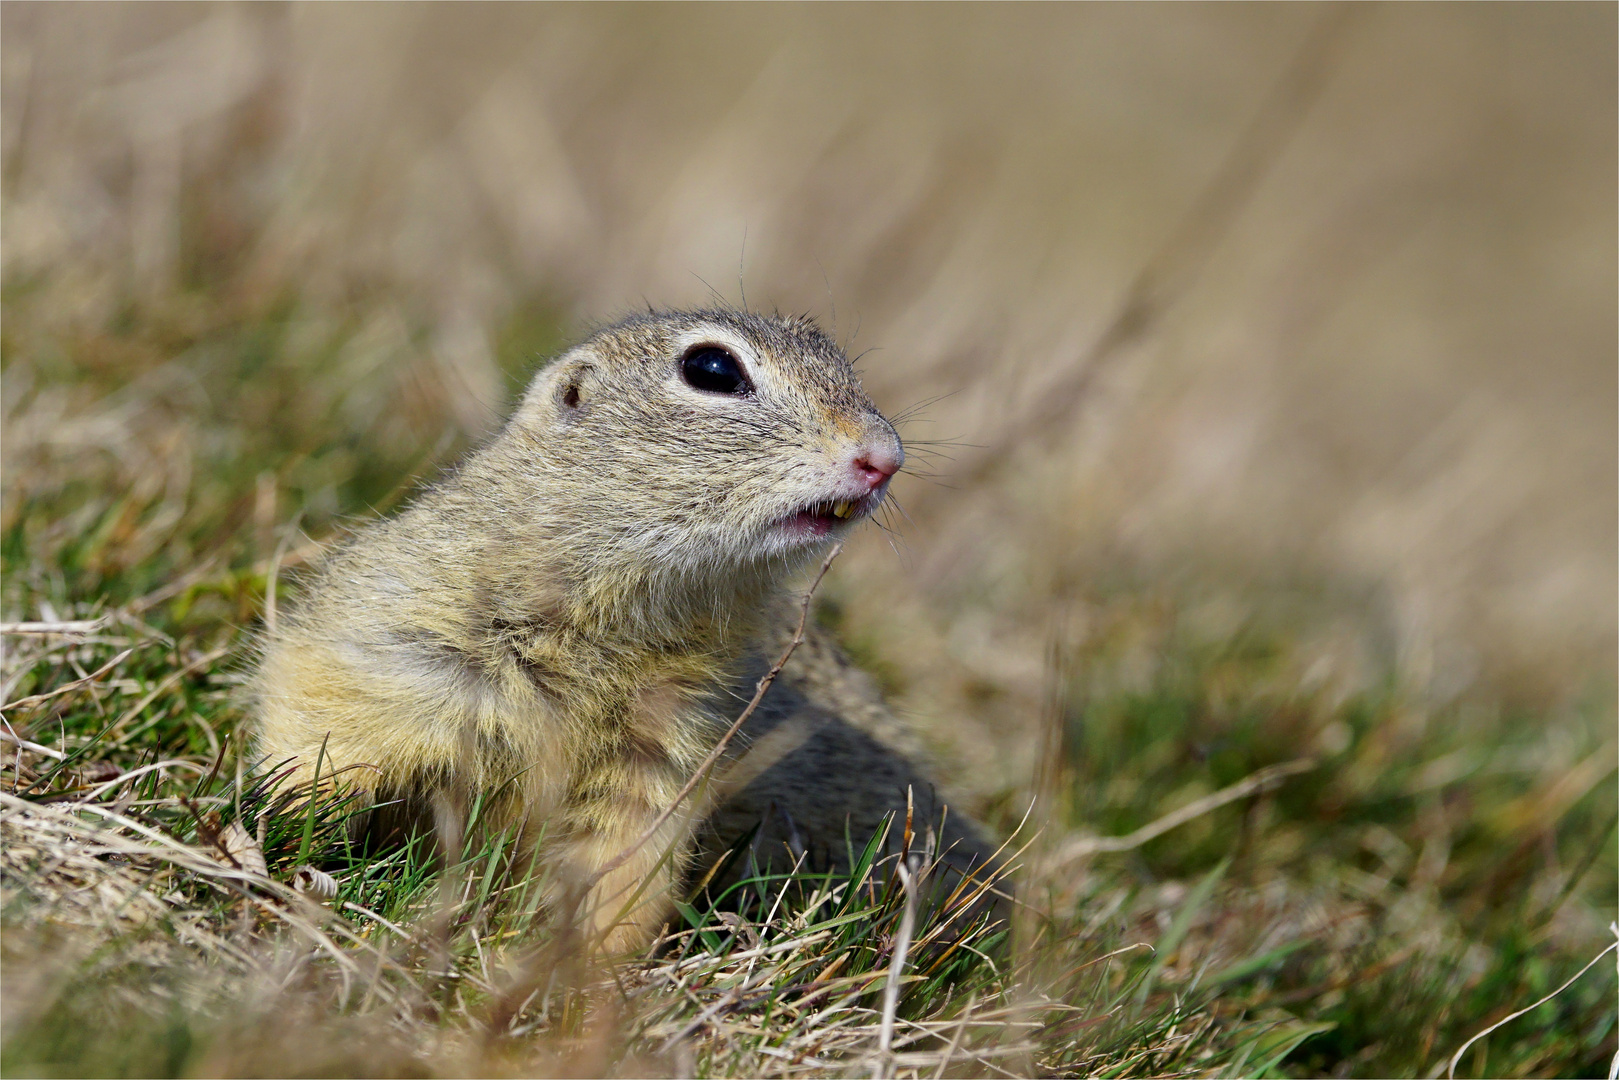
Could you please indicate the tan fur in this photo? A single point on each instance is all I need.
(570, 619)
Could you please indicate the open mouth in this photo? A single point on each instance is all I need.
(819, 519)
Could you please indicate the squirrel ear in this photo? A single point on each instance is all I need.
(562, 390)
(571, 392)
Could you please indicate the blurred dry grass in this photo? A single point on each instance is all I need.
(270, 259)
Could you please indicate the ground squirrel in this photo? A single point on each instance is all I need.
(568, 621)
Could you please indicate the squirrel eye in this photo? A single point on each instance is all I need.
(711, 368)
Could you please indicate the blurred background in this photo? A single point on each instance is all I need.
(1257, 364)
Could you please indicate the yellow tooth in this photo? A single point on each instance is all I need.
(842, 510)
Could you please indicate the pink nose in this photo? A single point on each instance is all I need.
(877, 462)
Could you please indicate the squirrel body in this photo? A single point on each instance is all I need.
(567, 623)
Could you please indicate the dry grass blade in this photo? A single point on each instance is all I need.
(73, 627)
(66, 688)
(714, 755)
(273, 576)
(1257, 782)
(896, 971)
(955, 1037)
(135, 774)
(1450, 1066)
(167, 683)
(33, 747)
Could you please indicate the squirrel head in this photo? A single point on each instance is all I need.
(708, 442)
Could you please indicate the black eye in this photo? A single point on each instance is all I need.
(711, 368)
